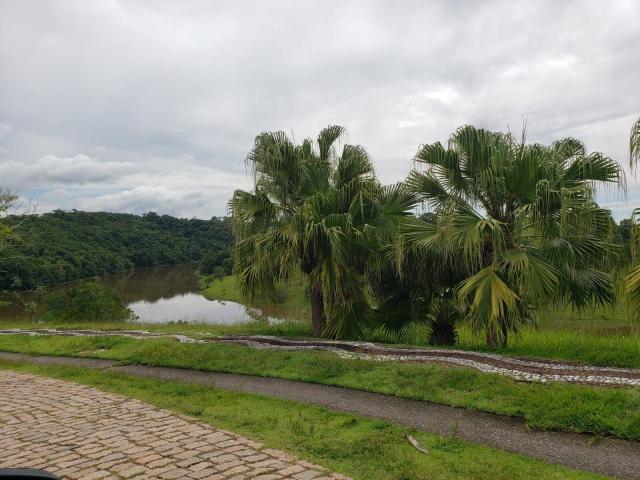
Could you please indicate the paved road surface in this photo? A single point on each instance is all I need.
(79, 432)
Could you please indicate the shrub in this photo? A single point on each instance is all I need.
(87, 302)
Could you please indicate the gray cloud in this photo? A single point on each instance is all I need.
(161, 100)
(50, 169)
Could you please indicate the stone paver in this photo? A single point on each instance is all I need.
(79, 432)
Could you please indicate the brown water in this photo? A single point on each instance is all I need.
(166, 294)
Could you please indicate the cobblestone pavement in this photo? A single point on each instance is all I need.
(78, 432)
(526, 369)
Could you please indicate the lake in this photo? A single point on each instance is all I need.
(166, 294)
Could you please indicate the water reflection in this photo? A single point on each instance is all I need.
(191, 307)
(165, 294)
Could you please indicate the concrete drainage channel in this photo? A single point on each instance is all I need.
(533, 370)
(608, 456)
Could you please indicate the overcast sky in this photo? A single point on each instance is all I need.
(152, 106)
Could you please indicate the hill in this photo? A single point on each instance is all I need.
(67, 245)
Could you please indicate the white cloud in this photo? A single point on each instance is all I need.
(180, 202)
(169, 95)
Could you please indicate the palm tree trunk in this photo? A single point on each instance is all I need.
(317, 310)
(497, 337)
(505, 333)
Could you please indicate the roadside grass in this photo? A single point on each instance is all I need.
(359, 447)
(572, 345)
(558, 406)
(563, 344)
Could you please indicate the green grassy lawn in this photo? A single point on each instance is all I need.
(293, 295)
(605, 336)
(563, 344)
(359, 447)
(599, 410)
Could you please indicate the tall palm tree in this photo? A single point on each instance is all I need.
(316, 211)
(632, 281)
(524, 219)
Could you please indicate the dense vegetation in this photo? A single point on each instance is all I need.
(513, 227)
(60, 246)
(632, 282)
(87, 302)
(320, 212)
(519, 222)
(217, 263)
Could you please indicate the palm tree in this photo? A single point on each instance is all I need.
(632, 281)
(523, 218)
(415, 287)
(319, 213)
(634, 144)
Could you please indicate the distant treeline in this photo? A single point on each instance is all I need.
(61, 246)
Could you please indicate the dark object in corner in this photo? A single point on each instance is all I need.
(26, 474)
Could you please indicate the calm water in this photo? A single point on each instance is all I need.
(165, 294)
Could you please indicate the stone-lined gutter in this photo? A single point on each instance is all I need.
(526, 369)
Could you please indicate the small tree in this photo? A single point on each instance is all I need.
(29, 299)
(415, 286)
(217, 263)
(87, 302)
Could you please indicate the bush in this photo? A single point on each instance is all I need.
(87, 302)
(218, 263)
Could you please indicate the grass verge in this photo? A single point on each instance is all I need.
(577, 345)
(359, 447)
(599, 410)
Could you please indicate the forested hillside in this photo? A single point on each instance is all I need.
(61, 246)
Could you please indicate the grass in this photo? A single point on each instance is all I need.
(293, 295)
(224, 288)
(359, 447)
(586, 339)
(598, 410)
(605, 336)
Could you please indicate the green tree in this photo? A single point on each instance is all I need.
(523, 218)
(218, 261)
(632, 281)
(317, 211)
(7, 202)
(87, 302)
(62, 246)
(416, 286)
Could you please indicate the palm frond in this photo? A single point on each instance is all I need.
(326, 139)
(632, 287)
(634, 144)
(489, 300)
